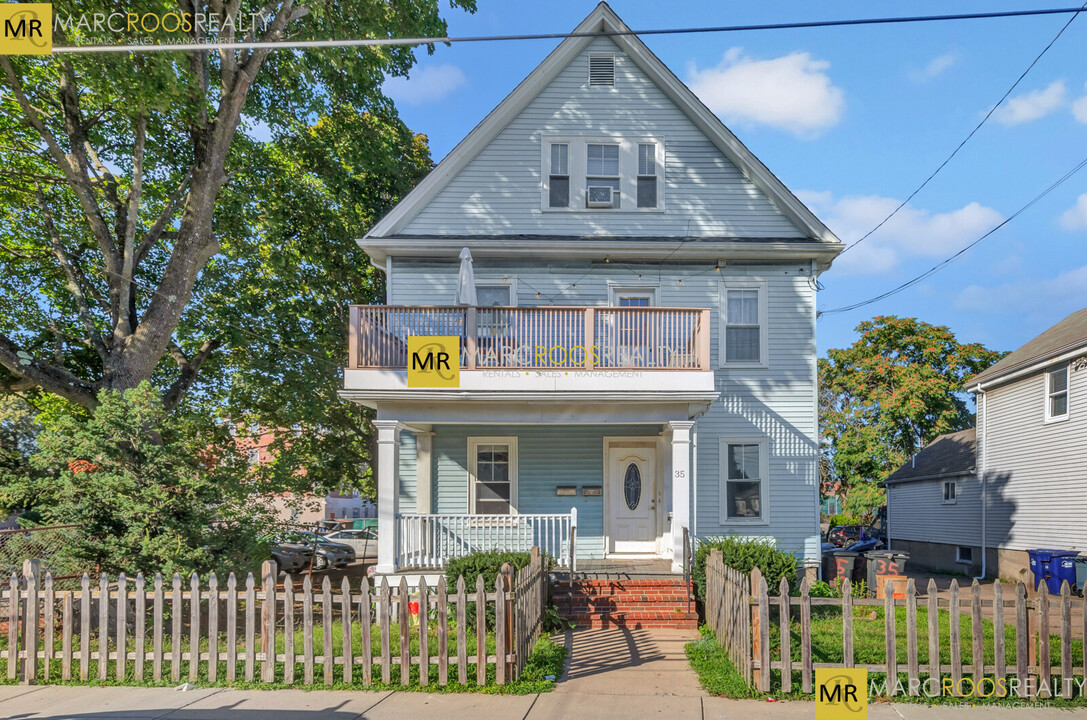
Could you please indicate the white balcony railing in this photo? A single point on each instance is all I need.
(430, 541)
(524, 338)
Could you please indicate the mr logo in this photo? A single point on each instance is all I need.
(27, 29)
(841, 694)
(434, 362)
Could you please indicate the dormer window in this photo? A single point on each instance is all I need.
(602, 174)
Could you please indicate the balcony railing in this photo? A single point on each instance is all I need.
(430, 541)
(536, 338)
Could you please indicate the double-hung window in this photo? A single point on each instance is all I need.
(1056, 392)
(492, 475)
(602, 188)
(950, 490)
(743, 317)
(744, 480)
(558, 180)
(647, 175)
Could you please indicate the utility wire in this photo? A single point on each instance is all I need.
(944, 263)
(371, 42)
(968, 137)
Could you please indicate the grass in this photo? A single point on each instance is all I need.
(718, 676)
(546, 661)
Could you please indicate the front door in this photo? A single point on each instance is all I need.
(632, 500)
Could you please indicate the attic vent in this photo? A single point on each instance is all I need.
(601, 69)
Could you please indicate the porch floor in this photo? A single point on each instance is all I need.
(618, 569)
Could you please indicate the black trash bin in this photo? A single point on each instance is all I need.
(1053, 566)
(839, 565)
(885, 562)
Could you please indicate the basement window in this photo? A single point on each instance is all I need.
(964, 555)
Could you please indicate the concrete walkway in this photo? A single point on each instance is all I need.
(611, 675)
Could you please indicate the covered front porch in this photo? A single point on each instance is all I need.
(614, 491)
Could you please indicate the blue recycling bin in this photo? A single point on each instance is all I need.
(1053, 566)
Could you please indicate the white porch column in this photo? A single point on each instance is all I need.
(681, 487)
(388, 492)
(424, 445)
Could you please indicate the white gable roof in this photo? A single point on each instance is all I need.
(604, 20)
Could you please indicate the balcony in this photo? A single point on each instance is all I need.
(575, 349)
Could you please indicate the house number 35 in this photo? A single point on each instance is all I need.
(681, 473)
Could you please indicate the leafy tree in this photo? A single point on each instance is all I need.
(893, 391)
(149, 490)
(120, 176)
(18, 433)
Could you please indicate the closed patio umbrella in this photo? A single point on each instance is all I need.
(466, 281)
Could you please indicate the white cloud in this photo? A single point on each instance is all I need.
(1039, 300)
(935, 67)
(425, 85)
(1079, 108)
(792, 92)
(912, 232)
(1032, 105)
(1075, 217)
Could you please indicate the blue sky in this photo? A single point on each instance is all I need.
(860, 117)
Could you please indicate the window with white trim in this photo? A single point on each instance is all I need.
(602, 174)
(492, 475)
(1056, 393)
(744, 480)
(964, 554)
(492, 296)
(743, 324)
(950, 490)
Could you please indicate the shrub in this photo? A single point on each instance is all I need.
(843, 519)
(745, 554)
(488, 564)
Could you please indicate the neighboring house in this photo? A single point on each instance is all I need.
(1025, 485)
(605, 208)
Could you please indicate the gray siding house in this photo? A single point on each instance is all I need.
(639, 365)
(1027, 485)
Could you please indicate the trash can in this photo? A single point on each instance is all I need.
(838, 566)
(1053, 566)
(885, 562)
(1081, 573)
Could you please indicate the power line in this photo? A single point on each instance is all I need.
(942, 264)
(968, 137)
(380, 42)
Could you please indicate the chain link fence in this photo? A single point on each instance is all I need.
(45, 543)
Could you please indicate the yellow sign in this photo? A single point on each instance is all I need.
(841, 694)
(434, 362)
(27, 29)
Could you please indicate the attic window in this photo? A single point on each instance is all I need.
(601, 69)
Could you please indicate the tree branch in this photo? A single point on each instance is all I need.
(190, 368)
(158, 228)
(49, 377)
(125, 315)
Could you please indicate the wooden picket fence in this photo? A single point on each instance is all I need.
(137, 631)
(739, 610)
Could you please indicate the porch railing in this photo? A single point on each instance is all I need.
(522, 338)
(430, 541)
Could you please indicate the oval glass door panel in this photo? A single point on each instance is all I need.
(632, 486)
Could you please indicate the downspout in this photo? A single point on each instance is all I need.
(981, 470)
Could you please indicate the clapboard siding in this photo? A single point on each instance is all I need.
(499, 191)
(1036, 472)
(916, 511)
(548, 456)
(407, 472)
(777, 402)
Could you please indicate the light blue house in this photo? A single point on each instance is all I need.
(641, 362)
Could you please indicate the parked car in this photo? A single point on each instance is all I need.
(292, 557)
(363, 541)
(844, 535)
(327, 555)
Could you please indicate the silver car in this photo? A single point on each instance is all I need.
(327, 554)
(363, 541)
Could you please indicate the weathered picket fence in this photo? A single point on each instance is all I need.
(139, 630)
(740, 611)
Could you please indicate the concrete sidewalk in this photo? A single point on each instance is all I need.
(78, 703)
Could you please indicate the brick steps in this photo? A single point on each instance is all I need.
(627, 603)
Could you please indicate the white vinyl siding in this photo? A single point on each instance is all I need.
(700, 191)
(917, 511)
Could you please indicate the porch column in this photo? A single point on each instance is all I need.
(424, 444)
(681, 487)
(388, 492)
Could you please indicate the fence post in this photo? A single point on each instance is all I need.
(32, 572)
(507, 587)
(269, 574)
(785, 628)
